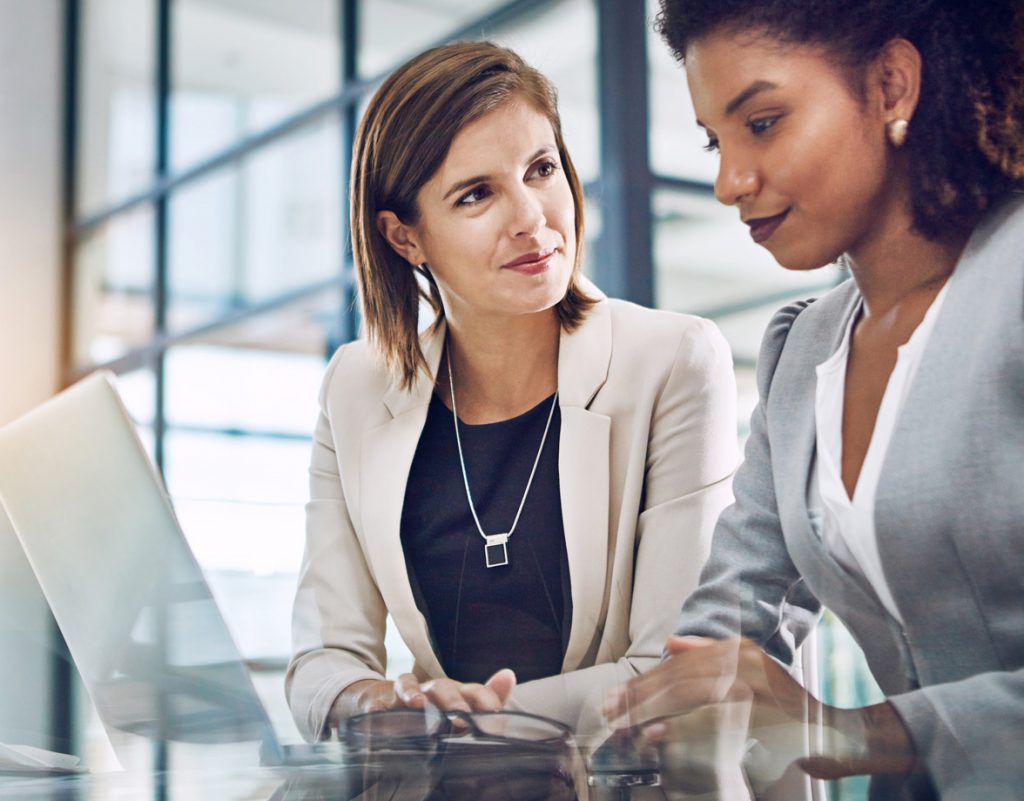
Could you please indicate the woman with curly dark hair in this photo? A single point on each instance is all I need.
(883, 471)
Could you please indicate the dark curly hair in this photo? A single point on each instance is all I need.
(966, 143)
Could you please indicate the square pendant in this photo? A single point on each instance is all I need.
(496, 550)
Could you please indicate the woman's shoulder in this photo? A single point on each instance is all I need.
(644, 325)
(813, 317)
(355, 373)
(667, 342)
(804, 325)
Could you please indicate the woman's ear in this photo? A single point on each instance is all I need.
(401, 237)
(898, 76)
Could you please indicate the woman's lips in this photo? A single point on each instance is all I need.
(763, 227)
(531, 263)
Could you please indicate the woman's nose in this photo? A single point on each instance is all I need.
(736, 180)
(527, 216)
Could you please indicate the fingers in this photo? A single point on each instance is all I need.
(680, 645)
(698, 672)
(445, 694)
(502, 683)
(409, 692)
(454, 695)
(479, 697)
(675, 697)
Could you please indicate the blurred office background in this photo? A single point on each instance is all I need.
(173, 207)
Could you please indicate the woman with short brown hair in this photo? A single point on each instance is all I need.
(527, 487)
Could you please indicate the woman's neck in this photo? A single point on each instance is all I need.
(501, 367)
(902, 266)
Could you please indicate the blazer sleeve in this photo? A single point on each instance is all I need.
(690, 460)
(339, 617)
(967, 734)
(749, 586)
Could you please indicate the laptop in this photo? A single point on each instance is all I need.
(139, 619)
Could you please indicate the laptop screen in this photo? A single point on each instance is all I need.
(131, 601)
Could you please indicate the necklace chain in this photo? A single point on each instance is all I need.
(493, 539)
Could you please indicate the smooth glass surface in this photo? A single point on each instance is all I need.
(255, 230)
(112, 289)
(239, 66)
(116, 108)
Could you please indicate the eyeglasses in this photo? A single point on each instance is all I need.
(505, 756)
(424, 728)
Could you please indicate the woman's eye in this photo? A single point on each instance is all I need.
(758, 127)
(545, 169)
(473, 196)
(711, 146)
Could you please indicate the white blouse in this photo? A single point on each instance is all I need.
(847, 526)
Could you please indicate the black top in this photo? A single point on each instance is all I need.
(482, 619)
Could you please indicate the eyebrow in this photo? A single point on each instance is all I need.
(480, 179)
(754, 89)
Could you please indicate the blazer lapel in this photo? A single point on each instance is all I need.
(794, 443)
(792, 419)
(583, 474)
(386, 459)
(794, 449)
(936, 425)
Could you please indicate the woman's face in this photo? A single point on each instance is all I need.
(496, 223)
(804, 161)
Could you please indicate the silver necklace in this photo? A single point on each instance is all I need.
(495, 545)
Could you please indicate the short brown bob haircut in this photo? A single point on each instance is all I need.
(401, 142)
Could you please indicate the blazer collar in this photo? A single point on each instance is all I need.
(584, 356)
(399, 401)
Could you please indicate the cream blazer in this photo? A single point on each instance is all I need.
(646, 455)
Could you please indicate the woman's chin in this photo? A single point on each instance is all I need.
(802, 262)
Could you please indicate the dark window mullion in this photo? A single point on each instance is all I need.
(625, 266)
(64, 736)
(161, 282)
(161, 755)
(348, 325)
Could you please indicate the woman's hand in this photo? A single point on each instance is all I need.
(406, 692)
(676, 700)
(450, 694)
(700, 672)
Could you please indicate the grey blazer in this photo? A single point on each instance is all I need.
(949, 517)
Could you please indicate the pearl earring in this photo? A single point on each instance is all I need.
(896, 131)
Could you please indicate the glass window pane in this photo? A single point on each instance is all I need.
(112, 289)
(243, 389)
(391, 31)
(675, 141)
(116, 107)
(240, 65)
(137, 389)
(571, 64)
(240, 500)
(241, 404)
(706, 263)
(253, 231)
